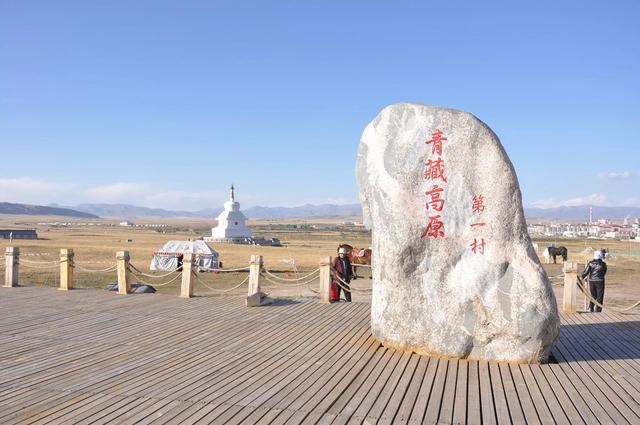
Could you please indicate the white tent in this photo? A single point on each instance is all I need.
(167, 258)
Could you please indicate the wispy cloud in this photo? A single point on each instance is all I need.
(27, 184)
(184, 200)
(29, 190)
(613, 175)
(33, 191)
(593, 199)
(147, 195)
(631, 202)
(118, 192)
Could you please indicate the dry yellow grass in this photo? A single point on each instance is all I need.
(95, 248)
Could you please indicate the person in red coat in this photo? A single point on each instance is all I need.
(341, 268)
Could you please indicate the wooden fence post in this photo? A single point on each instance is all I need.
(570, 287)
(66, 269)
(186, 290)
(12, 255)
(255, 297)
(254, 274)
(122, 261)
(325, 280)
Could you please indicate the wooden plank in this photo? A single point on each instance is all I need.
(612, 352)
(49, 409)
(29, 402)
(511, 395)
(272, 404)
(576, 401)
(524, 396)
(400, 392)
(387, 389)
(411, 394)
(449, 392)
(109, 404)
(543, 410)
(109, 416)
(499, 397)
(63, 416)
(334, 392)
(286, 363)
(350, 408)
(460, 402)
(486, 394)
(242, 398)
(305, 398)
(618, 403)
(323, 346)
(473, 414)
(609, 355)
(437, 392)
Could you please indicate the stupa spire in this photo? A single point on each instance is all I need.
(232, 196)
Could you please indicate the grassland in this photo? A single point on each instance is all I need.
(304, 241)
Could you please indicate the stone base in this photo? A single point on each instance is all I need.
(258, 299)
(423, 352)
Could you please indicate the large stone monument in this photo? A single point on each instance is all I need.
(454, 271)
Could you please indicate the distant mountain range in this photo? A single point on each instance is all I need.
(132, 211)
(25, 209)
(304, 211)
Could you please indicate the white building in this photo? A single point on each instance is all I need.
(231, 221)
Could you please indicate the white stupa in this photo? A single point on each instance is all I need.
(231, 221)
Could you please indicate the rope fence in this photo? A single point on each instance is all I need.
(176, 277)
(88, 270)
(239, 269)
(347, 286)
(218, 290)
(128, 273)
(274, 276)
(587, 294)
(557, 277)
(324, 276)
(39, 264)
(152, 276)
(288, 285)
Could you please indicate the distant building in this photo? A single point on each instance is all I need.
(18, 234)
(601, 229)
(126, 224)
(232, 226)
(231, 221)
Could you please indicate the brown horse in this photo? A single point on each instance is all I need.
(357, 256)
(557, 251)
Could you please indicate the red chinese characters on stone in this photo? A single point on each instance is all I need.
(478, 204)
(435, 202)
(477, 247)
(435, 170)
(435, 228)
(436, 141)
(478, 207)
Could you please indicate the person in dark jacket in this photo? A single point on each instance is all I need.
(596, 270)
(180, 258)
(342, 267)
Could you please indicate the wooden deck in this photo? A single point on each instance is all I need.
(89, 356)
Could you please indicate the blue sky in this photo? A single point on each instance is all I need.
(165, 103)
